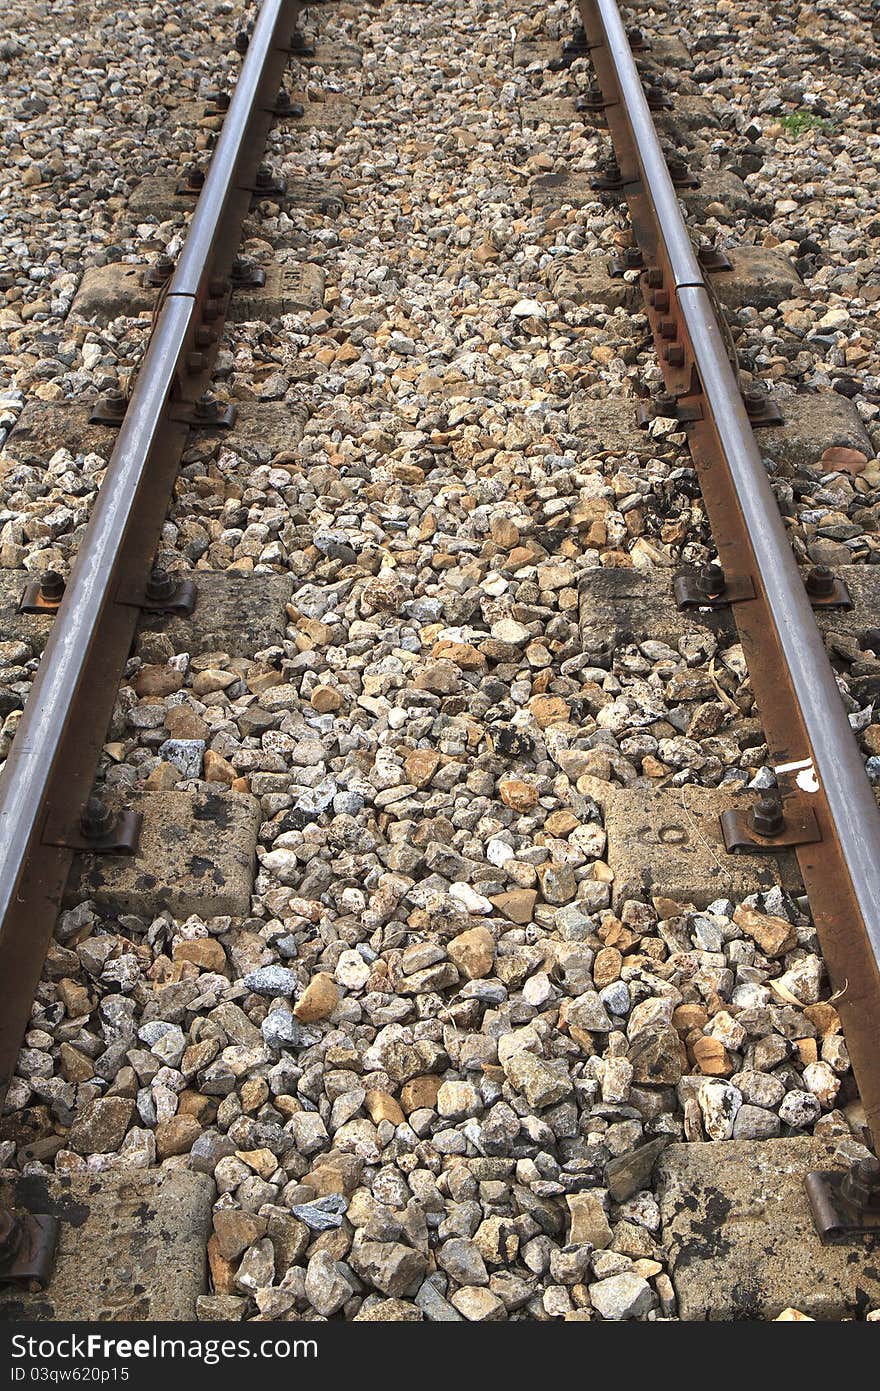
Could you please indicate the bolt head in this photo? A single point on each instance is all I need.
(160, 585)
(51, 584)
(97, 819)
(820, 581)
(767, 816)
(711, 580)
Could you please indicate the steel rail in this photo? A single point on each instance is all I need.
(819, 766)
(51, 766)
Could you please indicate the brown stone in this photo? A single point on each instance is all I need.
(518, 795)
(262, 1161)
(824, 1017)
(420, 765)
(216, 769)
(504, 532)
(163, 778)
(516, 904)
(336, 1173)
(235, 1231)
(420, 1093)
(318, 1000)
(463, 654)
(711, 1057)
(212, 679)
(841, 459)
(176, 1136)
(182, 722)
(689, 1016)
(561, 823)
(382, 1106)
(326, 699)
(74, 997)
(442, 677)
(101, 1125)
(774, 936)
(157, 681)
(191, 1103)
(548, 709)
(607, 967)
(473, 952)
(205, 952)
(75, 1066)
(222, 1270)
(588, 1219)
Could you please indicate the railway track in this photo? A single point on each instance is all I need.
(516, 923)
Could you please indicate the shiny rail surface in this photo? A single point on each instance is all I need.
(49, 775)
(819, 768)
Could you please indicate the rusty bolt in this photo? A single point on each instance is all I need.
(242, 41)
(217, 285)
(655, 278)
(674, 355)
(664, 404)
(51, 586)
(264, 176)
(632, 257)
(115, 402)
(195, 177)
(667, 328)
(767, 816)
(196, 362)
(861, 1181)
(97, 820)
(159, 586)
(820, 582)
(660, 300)
(205, 337)
(711, 581)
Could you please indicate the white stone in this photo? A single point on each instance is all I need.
(469, 899)
(624, 1296)
(719, 1103)
(528, 309)
(351, 970)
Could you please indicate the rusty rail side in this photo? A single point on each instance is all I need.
(819, 768)
(50, 771)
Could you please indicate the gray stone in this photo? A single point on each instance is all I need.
(624, 1296)
(388, 1266)
(185, 754)
(435, 1308)
(323, 1214)
(272, 980)
(628, 1173)
(327, 1288)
